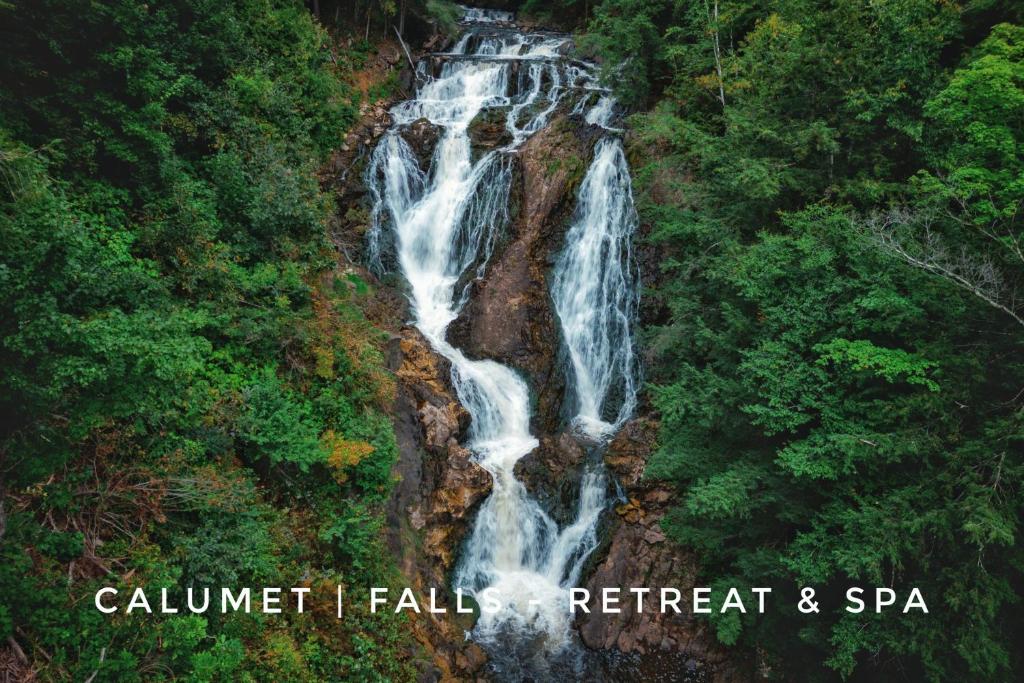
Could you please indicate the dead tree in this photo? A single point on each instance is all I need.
(712, 14)
(977, 274)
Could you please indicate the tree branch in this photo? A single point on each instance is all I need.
(103, 654)
(972, 273)
(713, 25)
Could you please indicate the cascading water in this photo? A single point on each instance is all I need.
(594, 289)
(438, 224)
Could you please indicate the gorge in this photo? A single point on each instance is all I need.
(500, 196)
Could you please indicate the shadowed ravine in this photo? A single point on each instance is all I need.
(437, 224)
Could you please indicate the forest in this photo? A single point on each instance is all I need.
(192, 393)
(836, 346)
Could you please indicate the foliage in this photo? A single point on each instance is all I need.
(445, 13)
(840, 402)
(190, 395)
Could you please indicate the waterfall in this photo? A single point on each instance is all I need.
(595, 293)
(438, 225)
(479, 15)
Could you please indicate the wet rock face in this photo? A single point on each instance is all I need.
(639, 554)
(629, 451)
(343, 173)
(552, 472)
(489, 130)
(422, 136)
(440, 483)
(509, 317)
(438, 488)
(554, 162)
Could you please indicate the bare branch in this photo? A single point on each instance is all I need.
(19, 654)
(973, 273)
(103, 655)
(713, 26)
(404, 48)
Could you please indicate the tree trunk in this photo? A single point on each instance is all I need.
(713, 25)
(3, 510)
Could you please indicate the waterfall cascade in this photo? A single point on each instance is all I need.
(438, 226)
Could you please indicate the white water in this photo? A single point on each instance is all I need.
(440, 223)
(479, 15)
(601, 114)
(595, 293)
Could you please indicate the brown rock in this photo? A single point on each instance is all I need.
(489, 130)
(554, 161)
(639, 554)
(509, 316)
(449, 482)
(389, 54)
(424, 372)
(556, 456)
(632, 560)
(629, 451)
(441, 423)
(438, 487)
(471, 659)
(653, 536)
(422, 137)
(551, 473)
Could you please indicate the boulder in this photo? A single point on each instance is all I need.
(489, 130)
(551, 473)
(422, 137)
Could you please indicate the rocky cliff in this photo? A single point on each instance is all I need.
(637, 553)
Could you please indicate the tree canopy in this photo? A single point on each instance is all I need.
(191, 395)
(834, 337)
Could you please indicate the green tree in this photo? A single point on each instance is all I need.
(832, 415)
